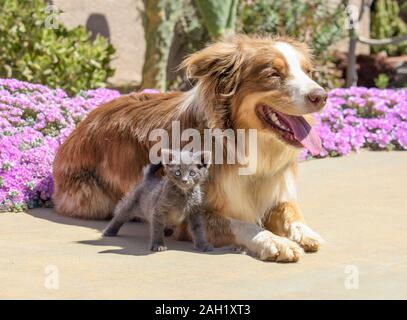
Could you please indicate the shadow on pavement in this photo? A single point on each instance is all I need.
(133, 238)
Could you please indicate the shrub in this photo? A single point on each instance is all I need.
(382, 81)
(54, 57)
(313, 22)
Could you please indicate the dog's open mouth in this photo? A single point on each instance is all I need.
(294, 130)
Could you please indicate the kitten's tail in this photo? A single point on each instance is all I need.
(151, 169)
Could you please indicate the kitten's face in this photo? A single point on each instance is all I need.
(190, 170)
(186, 176)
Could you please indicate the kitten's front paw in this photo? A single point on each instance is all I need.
(168, 232)
(158, 247)
(204, 246)
(109, 233)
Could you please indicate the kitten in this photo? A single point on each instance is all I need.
(168, 200)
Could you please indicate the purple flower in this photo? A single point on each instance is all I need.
(150, 91)
(358, 117)
(34, 121)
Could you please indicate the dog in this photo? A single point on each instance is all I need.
(261, 83)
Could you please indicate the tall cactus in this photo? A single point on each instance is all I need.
(219, 16)
(386, 23)
(160, 19)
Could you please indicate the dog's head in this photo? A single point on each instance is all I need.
(261, 83)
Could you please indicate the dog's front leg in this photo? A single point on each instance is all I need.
(265, 245)
(286, 220)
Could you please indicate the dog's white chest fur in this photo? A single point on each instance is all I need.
(249, 197)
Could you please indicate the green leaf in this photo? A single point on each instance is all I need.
(56, 58)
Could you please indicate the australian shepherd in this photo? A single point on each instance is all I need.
(246, 83)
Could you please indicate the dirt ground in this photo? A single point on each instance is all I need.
(357, 203)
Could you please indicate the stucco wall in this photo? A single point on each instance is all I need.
(121, 21)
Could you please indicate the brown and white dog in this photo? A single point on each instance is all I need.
(260, 83)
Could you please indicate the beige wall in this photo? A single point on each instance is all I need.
(122, 20)
(125, 28)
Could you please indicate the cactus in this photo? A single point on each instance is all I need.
(219, 17)
(161, 16)
(160, 19)
(386, 23)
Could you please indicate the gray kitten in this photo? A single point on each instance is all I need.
(168, 200)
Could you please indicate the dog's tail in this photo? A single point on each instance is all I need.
(151, 169)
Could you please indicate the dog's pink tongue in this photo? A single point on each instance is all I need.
(305, 134)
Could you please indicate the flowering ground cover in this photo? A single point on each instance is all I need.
(359, 117)
(35, 120)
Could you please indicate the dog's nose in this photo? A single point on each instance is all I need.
(317, 98)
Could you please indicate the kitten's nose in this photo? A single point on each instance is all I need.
(184, 180)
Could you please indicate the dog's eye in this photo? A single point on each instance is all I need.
(192, 173)
(177, 173)
(272, 74)
(269, 73)
(308, 71)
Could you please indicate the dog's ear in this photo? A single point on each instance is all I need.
(220, 64)
(210, 60)
(218, 69)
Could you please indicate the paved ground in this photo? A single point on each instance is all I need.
(358, 203)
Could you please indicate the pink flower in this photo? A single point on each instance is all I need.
(359, 117)
(150, 91)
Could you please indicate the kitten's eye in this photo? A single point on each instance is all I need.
(177, 173)
(192, 173)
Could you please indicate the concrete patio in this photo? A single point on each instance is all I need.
(358, 203)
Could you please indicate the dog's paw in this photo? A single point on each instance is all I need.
(204, 246)
(275, 248)
(156, 247)
(307, 238)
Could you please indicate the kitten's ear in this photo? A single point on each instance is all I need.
(205, 158)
